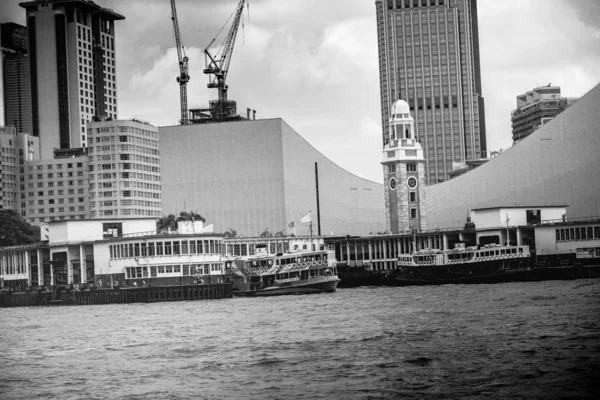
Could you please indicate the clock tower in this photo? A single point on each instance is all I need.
(404, 173)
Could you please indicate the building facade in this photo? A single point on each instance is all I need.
(535, 108)
(72, 67)
(261, 176)
(15, 151)
(57, 189)
(429, 55)
(15, 77)
(125, 175)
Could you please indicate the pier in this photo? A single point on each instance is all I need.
(93, 296)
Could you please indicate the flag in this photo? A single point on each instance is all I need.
(291, 224)
(306, 219)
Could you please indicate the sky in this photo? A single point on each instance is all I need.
(314, 63)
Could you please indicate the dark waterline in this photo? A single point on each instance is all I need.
(517, 340)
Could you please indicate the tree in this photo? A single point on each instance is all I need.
(165, 223)
(190, 216)
(280, 233)
(230, 233)
(14, 230)
(170, 221)
(266, 233)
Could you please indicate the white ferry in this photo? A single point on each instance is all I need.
(490, 263)
(283, 273)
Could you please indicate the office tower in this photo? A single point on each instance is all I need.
(124, 164)
(429, 56)
(15, 77)
(535, 108)
(72, 67)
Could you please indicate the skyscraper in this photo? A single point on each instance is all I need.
(429, 56)
(72, 64)
(15, 77)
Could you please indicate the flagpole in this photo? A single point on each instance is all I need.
(311, 239)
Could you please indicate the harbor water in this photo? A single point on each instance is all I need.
(513, 340)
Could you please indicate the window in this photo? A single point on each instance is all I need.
(533, 217)
(411, 167)
(112, 229)
(413, 213)
(392, 168)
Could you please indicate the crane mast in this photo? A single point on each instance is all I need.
(217, 66)
(183, 77)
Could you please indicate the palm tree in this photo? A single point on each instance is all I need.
(166, 223)
(230, 233)
(190, 216)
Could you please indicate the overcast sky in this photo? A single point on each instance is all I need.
(314, 63)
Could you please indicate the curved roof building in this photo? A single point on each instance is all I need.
(557, 164)
(256, 175)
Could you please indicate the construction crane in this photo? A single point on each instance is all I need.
(183, 77)
(217, 66)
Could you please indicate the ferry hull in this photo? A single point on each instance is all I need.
(321, 286)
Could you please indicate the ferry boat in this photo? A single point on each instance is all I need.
(266, 274)
(486, 264)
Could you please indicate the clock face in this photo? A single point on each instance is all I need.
(393, 183)
(412, 182)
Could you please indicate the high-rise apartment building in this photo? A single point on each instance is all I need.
(72, 67)
(16, 149)
(429, 56)
(15, 77)
(535, 108)
(124, 163)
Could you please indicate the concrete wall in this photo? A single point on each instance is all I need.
(348, 204)
(253, 175)
(90, 230)
(557, 164)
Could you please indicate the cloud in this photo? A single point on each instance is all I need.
(588, 11)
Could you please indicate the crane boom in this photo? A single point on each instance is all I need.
(218, 67)
(183, 77)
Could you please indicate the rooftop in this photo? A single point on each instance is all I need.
(89, 4)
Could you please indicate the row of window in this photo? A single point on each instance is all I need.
(578, 233)
(402, 4)
(52, 166)
(144, 249)
(53, 210)
(179, 270)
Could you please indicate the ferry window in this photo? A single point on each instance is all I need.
(562, 234)
(520, 250)
(583, 233)
(577, 234)
(159, 249)
(120, 251)
(590, 232)
(137, 249)
(206, 269)
(597, 232)
(168, 249)
(557, 234)
(130, 250)
(186, 270)
(502, 252)
(184, 247)
(168, 269)
(161, 270)
(567, 234)
(176, 248)
(144, 249)
(177, 268)
(151, 249)
(153, 272)
(192, 247)
(112, 251)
